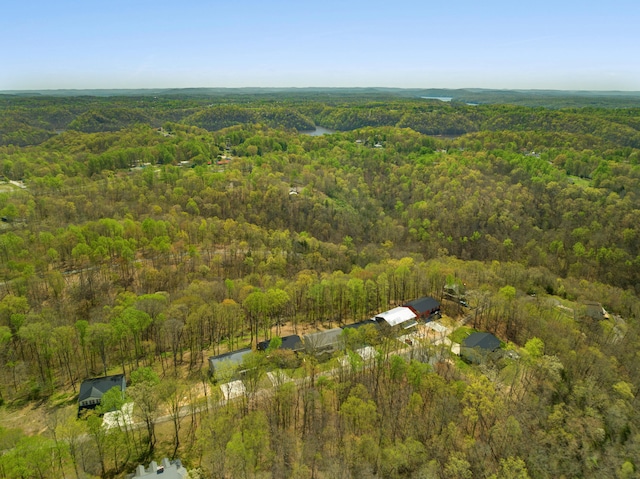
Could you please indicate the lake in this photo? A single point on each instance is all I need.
(319, 131)
(441, 98)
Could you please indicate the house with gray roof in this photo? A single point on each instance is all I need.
(323, 343)
(92, 390)
(233, 358)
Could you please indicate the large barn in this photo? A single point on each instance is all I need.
(426, 308)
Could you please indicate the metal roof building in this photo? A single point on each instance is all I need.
(400, 316)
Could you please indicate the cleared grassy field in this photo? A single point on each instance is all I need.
(7, 188)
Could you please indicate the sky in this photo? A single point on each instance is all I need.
(515, 44)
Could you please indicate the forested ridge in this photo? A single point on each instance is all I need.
(142, 234)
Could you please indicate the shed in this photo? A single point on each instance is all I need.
(292, 342)
(454, 292)
(323, 342)
(396, 317)
(232, 357)
(92, 390)
(424, 307)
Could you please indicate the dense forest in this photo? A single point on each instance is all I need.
(141, 234)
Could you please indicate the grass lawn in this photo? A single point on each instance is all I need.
(576, 180)
(7, 188)
(460, 333)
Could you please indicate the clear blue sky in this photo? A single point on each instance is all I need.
(561, 44)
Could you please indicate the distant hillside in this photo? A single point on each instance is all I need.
(546, 98)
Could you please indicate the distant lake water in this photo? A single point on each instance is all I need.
(319, 131)
(445, 98)
(441, 98)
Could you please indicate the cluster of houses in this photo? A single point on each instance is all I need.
(321, 344)
(324, 343)
(475, 348)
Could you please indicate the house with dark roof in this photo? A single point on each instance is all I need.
(292, 342)
(595, 310)
(426, 308)
(92, 390)
(233, 358)
(477, 347)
